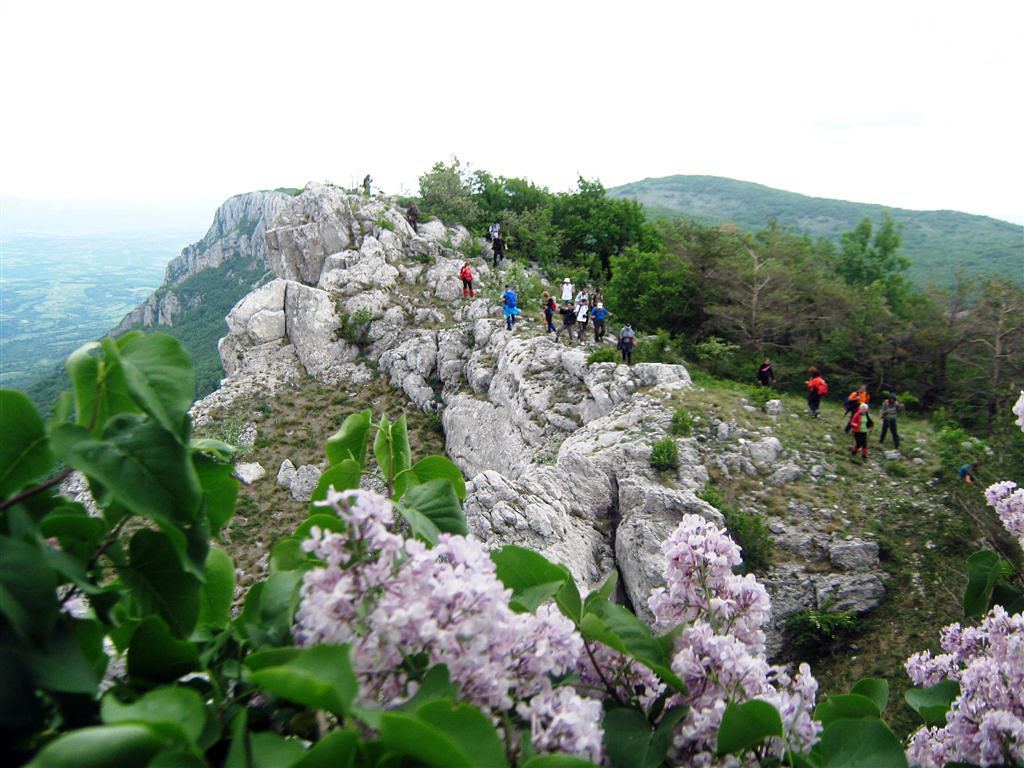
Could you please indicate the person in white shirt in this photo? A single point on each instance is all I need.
(495, 230)
(567, 289)
(582, 317)
(583, 295)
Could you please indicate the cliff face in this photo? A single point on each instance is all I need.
(237, 233)
(557, 451)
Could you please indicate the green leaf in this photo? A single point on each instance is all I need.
(934, 702)
(351, 440)
(436, 684)
(407, 735)
(875, 689)
(63, 664)
(393, 454)
(27, 591)
(183, 707)
(72, 525)
(100, 389)
(25, 453)
(159, 583)
(266, 618)
(155, 655)
(422, 527)
(619, 629)
(217, 591)
(469, 727)
(319, 677)
(860, 744)
(628, 739)
(157, 372)
(219, 487)
(338, 749)
(983, 571)
(216, 449)
(177, 759)
(533, 579)
(747, 725)
(127, 745)
(443, 468)
(343, 476)
(148, 471)
(436, 500)
(325, 521)
(558, 761)
(846, 705)
(239, 753)
(270, 750)
(287, 555)
(604, 592)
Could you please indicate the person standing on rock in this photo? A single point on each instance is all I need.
(498, 246)
(509, 306)
(568, 313)
(466, 274)
(366, 184)
(412, 215)
(600, 314)
(627, 340)
(582, 317)
(816, 389)
(890, 410)
(766, 374)
(567, 289)
(860, 422)
(549, 307)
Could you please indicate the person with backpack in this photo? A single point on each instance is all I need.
(508, 307)
(966, 472)
(567, 289)
(582, 317)
(600, 314)
(765, 374)
(412, 215)
(568, 313)
(549, 307)
(466, 274)
(890, 410)
(857, 398)
(498, 247)
(627, 340)
(816, 389)
(366, 184)
(494, 232)
(860, 422)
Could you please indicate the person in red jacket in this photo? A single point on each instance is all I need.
(860, 422)
(816, 387)
(467, 280)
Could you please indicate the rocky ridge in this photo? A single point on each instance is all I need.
(556, 451)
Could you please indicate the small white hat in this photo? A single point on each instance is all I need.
(864, 406)
(566, 280)
(600, 305)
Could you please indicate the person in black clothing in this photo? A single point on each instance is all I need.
(765, 374)
(498, 246)
(366, 184)
(549, 307)
(413, 217)
(568, 313)
(890, 410)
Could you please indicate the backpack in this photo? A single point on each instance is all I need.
(510, 298)
(822, 388)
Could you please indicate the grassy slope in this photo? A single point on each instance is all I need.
(937, 242)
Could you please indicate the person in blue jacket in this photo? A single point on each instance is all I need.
(599, 314)
(509, 300)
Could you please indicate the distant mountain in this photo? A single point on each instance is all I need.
(936, 242)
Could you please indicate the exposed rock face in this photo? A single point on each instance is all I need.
(237, 232)
(557, 451)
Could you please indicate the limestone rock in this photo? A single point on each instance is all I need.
(286, 474)
(854, 555)
(304, 482)
(773, 408)
(249, 472)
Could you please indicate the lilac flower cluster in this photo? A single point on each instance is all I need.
(392, 598)
(1008, 501)
(1018, 410)
(720, 655)
(985, 725)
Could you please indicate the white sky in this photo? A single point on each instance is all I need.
(910, 104)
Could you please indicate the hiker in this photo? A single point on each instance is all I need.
(366, 184)
(494, 232)
(568, 313)
(627, 339)
(857, 398)
(508, 307)
(967, 471)
(596, 297)
(860, 422)
(599, 313)
(816, 389)
(467, 280)
(549, 307)
(765, 374)
(567, 290)
(582, 317)
(890, 410)
(412, 215)
(583, 295)
(498, 246)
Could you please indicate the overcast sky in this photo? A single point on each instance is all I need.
(910, 104)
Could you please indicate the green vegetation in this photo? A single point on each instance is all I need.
(355, 327)
(665, 455)
(682, 423)
(811, 634)
(748, 529)
(603, 355)
(938, 244)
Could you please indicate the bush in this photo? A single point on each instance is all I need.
(813, 634)
(665, 454)
(355, 328)
(385, 223)
(759, 396)
(957, 447)
(897, 469)
(527, 286)
(910, 402)
(660, 348)
(603, 355)
(682, 423)
(748, 529)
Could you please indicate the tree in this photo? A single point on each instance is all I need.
(651, 291)
(445, 194)
(864, 260)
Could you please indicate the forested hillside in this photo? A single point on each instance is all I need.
(938, 243)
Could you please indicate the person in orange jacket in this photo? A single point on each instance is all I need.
(467, 280)
(857, 398)
(816, 388)
(860, 422)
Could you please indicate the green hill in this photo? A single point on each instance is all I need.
(937, 242)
